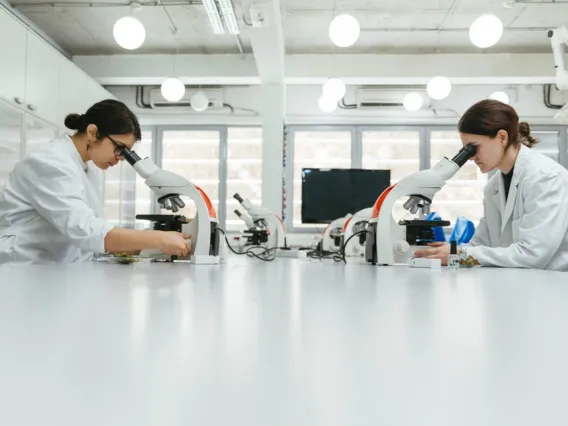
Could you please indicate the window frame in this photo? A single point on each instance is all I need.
(223, 158)
(424, 131)
(223, 224)
(356, 159)
(222, 187)
(125, 196)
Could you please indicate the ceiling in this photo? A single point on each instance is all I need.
(387, 26)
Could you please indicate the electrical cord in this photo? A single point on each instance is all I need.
(263, 254)
(320, 254)
(347, 242)
(337, 256)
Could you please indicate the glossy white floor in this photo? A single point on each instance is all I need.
(289, 342)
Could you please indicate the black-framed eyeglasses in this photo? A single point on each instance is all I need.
(119, 147)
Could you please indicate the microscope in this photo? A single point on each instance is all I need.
(332, 238)
(392, 243)
(169, 187)
(264, 228)
(359, 222)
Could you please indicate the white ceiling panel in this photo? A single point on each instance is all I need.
(88, 30)
(544, 16)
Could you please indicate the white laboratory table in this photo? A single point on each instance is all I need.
(291, 342)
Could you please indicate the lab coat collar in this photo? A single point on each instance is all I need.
(519, 169)
(68, 142)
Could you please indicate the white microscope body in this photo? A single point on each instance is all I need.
(331, 238)
(359, 222)
(169, 186)
(264, 227)
(388, 241)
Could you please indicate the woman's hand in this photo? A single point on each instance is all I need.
(438, 250)
(174, 243)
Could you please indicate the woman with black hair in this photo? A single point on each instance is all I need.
(51, 206)
(525, 221)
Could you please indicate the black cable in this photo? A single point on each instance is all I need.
(341, 104)
(320, 254)
(144, 105)
(138, 104)
(347, 242)
(546, 95)
(250, 252)
(245, 21)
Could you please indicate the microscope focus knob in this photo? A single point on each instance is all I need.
(401, 247)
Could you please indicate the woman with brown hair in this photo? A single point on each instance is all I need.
(525, 222)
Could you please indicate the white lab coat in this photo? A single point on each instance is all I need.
(530, 229)
(51, 207)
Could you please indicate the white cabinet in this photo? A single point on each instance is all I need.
(37, 133)
(74, 96)
(10, 139)
(77, 91)
(39, 79)
(42, 78)
(13, 39)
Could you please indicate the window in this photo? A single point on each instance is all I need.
(317, 149)
(463, 193)
(548, 143)
(244, 170)
(398, 151)
(125, 194)
(193, 154)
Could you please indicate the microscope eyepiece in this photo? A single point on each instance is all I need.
(464, 154)
(130, 156)
(238, 198)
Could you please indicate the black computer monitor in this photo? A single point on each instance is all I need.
(328, 194)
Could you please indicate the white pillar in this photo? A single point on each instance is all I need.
(273, 105)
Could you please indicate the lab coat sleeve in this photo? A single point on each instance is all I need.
(54, 192)
(481, 235)
(541, 229)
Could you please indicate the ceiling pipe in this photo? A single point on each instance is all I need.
(446, 30)
(154, 3)
(173, 27)
(448, 13)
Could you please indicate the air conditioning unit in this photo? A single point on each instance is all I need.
(216, 98)
(386, 97)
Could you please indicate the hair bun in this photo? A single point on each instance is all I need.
(524, 129)
(73, 121)
(525, 133)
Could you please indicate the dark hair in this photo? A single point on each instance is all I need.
(489, 116)
(111, 118)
